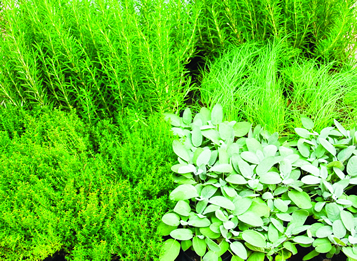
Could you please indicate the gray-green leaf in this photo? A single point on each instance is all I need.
(352, 166)
(217, 114)
(182, 208)
(171, 219)
(181, 234)
(170, 250)
(328, 146)
(183, 192)
(254, 238)
(199, 246)
(241, 129)
(239, 249)
(301, 199)
(222, 202)
(180, 150)
(251, 218)
(307, 122)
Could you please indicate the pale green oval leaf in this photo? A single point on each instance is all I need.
(183, 192)
(301, 199)
(217, 114)
(251, 218)
(182, 208)
(241, 129)
(199, 246)
(328, 146)
(222, 202)
(196, 136)
(254, 238)
(170, 250)
(352, 166)
(236, 179)
(181, 234)
(239, 249)
(180, 150)
(307, 122)
(223, 168)
(171, 219)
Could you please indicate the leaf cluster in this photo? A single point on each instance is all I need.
(245, 191)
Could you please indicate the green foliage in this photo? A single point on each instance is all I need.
(265, 85)
(253, 194)
(59, 192)
(96, 57)
(318, 28)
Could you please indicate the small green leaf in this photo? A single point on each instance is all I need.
(352, 166)
(171, 219)
(217, 114)
(324, 231)
(250, 157)
(310, 255)
(270, 178)
(254, 238)
(225, 131)
(196, 221)
(303, 148)
(239, 249)
(181, 234)
(220, 215)
(348, 251)
(303, 240)
(223, 168)
(183, 192)
(207, 232)
(173, 118)
(256, 256)
(182, 208)
(180, 150)
(170, 250)
(241, 129)
(187, 116)
(311, 180)
(280, 205)
(347, 219)
(165, 230)
(212, 245)
(245, 169)
(253, 145)
(290, 247)
(328, 146)
(242, 205)
(222, 202)
(307, 122)
(301, 199)
(338, 229)
(303, 133)
(311, 169)
(236, 179)
(273, 233)
(251, 218)
(208, 191)
(266, 164)
(186, 244)
(212, 135)
(210, 256)
(340, 128)
(332, 211)
(199, 246)
(196, 135)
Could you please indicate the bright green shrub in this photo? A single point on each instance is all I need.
(58, 191)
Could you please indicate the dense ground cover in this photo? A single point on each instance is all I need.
(91, 178)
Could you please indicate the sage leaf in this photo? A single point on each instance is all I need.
(310, 180)
(323, 248)
(266, 164)
(303, 133)
(183, 192)
(212, 135)
(239, 249)
(182, 208)
(204, 157)
(324, 231)
(212, 245)
(250, 157)
(338, 229)
(228, 225)
(273, 233)
(299, 217)
(236, 179)
(251, 218)
(328, 146)
(270, 178)
(210, 256)
(256, 256)
(208, 191)
(180, 150)
(352, 166)
(220, 215)
(222, 202)
(225, 131)
(311, 255)
(224, 245)
(210, 209)
(171, 219)
(207, 232)
(196, 135)
(307, 122)
(303, 240)
(300, 198)
(174, 119)
(279, 226)
(217, 114)
(241, 129)
(181, 234)
(348, 251)
(254, 238)
(245, 168)
(186, 244)
(196, 221)
(319, 206)
(186, 169)
(311, 169)
(347, 219)
(223, 168)
(242, 205)
(303, 148)
(253, 145)
(270, 150)
(280, 205)
(165, 230)
(170, 250)
(199, 246)
(340, 128)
